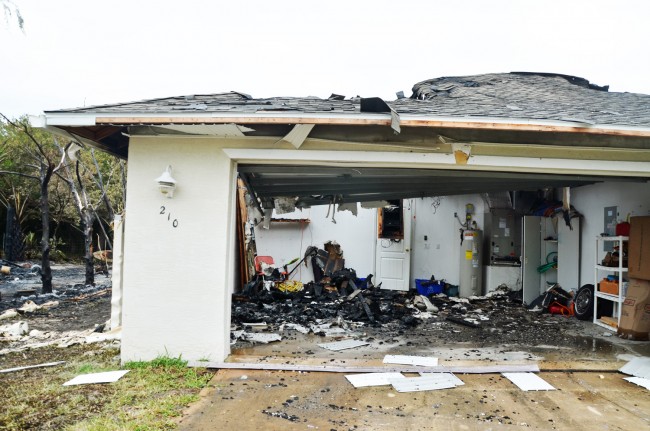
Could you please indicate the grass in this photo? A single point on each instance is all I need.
(151, 396)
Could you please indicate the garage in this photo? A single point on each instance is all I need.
(470, 140)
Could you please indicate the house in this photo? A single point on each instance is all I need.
(459, 138)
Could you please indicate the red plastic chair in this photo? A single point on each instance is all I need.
(258, 263)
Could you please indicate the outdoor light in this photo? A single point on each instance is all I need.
(167, 183)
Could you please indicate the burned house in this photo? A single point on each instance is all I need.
(490, 141)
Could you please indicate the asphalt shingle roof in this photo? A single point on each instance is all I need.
(517, 95)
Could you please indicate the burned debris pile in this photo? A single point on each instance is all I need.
(338, 302)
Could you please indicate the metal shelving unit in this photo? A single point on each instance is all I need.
(618, 270)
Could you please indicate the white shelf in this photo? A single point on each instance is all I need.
(613, 238)
(611, 268)
(610, 297)
(618, 270)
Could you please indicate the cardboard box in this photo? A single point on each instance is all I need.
(635, 313)
(639, 248)
(607, 286)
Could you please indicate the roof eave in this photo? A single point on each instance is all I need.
(493, 123)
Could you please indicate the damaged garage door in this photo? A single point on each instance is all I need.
(306, 186)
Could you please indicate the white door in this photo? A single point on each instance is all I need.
(393, 257)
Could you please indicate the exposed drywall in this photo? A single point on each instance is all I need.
(438, 255)
(177, 269)
(286, 241)
(590, 201)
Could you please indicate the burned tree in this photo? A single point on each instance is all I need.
(79, 176)
(40, 160)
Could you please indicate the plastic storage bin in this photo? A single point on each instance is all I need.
(428, 287)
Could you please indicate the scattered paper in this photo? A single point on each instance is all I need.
(637, 367)
(300, 328)
(528, 381)
(106, 377)
(639, 381)
(261, 338)
(342, 345)
(447, 377)
(424, 383)
(372, 379)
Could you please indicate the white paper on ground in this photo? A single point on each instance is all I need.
(637, 367)
(424, 383)
(372, 379)
(263, 338)
(639, 381)
(424, 361)
(528, 381)
(448, 377)
(106, 377)
(342, 345)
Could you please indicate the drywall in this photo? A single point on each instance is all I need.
(437, 255)
(590, 201)
(286, 241)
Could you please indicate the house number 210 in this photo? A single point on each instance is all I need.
(169, 216)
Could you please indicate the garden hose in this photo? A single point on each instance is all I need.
(548, 265)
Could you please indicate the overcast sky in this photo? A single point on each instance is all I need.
(82, 52)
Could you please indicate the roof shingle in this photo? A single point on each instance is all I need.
(517, 95)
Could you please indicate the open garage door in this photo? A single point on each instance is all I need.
(324, 185)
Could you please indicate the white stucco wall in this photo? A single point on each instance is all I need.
(590, 201)
(177, 279)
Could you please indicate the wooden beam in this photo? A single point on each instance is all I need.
(484, 369)
(355, 121)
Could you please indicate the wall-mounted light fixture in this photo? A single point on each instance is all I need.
(167, 183)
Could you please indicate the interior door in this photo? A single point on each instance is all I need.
(531, 257)
(393, 256)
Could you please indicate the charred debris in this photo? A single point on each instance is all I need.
(339, 298)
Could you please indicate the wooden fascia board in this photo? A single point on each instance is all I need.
(479, 124)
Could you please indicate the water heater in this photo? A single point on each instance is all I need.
(471, 269)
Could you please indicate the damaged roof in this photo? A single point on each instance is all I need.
(516, 95)
(225, 102)
(536, 96)
(502, 114)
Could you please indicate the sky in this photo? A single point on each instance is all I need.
(76, 53)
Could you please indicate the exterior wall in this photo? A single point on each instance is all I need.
(177, 279)
(590, 201)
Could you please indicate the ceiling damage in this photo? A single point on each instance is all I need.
(313, 185)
